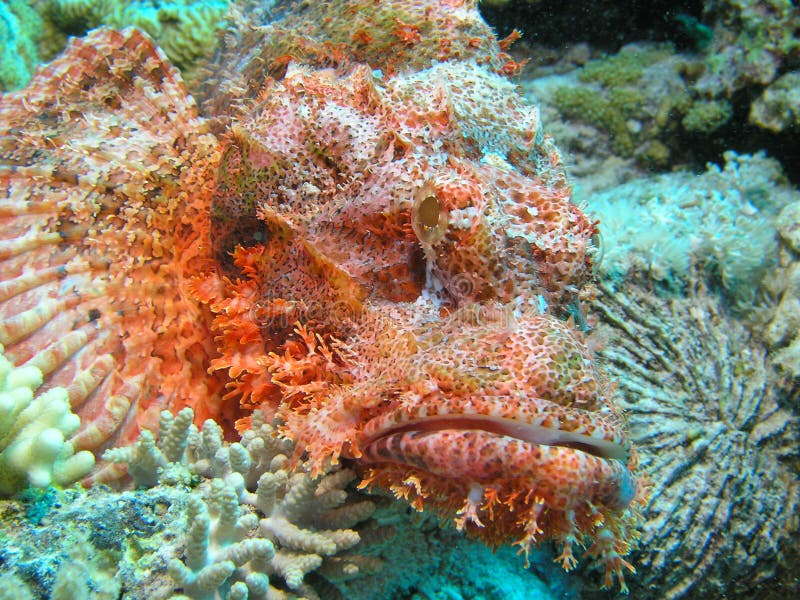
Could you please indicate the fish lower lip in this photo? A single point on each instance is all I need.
(526, 432)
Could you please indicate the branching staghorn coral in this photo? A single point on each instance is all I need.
(256, 528)
(217, 545)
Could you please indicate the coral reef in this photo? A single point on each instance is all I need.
(716, 436)
(184, 29)
(723, 221)
(782, 333)
(366, 261)
(299, 520)
(20, 29)
(735, 225)
(778, 109)
(753, 40)
(423, 559)
(34, 430)
(707, 116)
(641, 99)
(60, 558)
(220, 518)
(112, 541)
(612, 113)
(722, 61)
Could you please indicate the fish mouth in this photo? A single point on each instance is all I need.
(549, 431)
(551, 455)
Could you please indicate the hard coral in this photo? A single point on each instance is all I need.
(184, 29)
(716, 435)
(253, 526)
(34, 449)
(778, 109)
(20, 29)
(782, 333)
(723, 220)
(753, 42)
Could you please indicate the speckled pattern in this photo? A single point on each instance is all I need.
(356, 251)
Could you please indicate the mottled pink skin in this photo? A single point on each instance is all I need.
(448, 417)
(563, 478)
(415, 224)
(429, 258)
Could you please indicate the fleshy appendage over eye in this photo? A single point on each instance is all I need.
(428, 218)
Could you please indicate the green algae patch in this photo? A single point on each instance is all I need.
(624, 68)
(705, 116)
(608, 111)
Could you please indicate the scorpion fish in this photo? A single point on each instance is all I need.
(364, 233)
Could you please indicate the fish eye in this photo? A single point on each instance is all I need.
(428, 212)
(428, 220)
